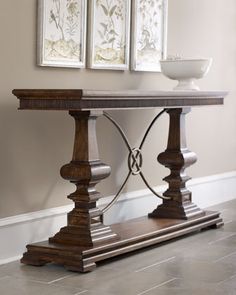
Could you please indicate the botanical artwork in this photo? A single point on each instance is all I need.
(110, 34)
(62, 32)
(149, 34)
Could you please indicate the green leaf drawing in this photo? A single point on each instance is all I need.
(104, 9)
(111, 40)
(100, 33)
(104, 26)
(112, 10)
(113, 32)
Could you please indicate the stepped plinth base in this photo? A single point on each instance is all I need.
(134, 234)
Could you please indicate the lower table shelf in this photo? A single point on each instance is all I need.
(134, 234)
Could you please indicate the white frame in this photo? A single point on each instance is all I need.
(41, 61)
(147, 68)
(92, 15)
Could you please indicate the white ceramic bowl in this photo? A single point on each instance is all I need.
(186, 71)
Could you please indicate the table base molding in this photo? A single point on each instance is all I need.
(133, 235)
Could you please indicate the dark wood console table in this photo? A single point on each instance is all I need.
(85, 239)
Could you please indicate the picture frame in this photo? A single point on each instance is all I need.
(109, 34)
(149, 34)
(62, 33)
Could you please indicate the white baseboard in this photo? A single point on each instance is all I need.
(17, 231)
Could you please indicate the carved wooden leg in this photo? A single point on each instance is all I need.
(85, 171)
(177, 157)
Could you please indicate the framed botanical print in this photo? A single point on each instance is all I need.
(109, 27)
(149, 34)
(62, 33)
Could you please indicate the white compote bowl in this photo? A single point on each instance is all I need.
(186, 71)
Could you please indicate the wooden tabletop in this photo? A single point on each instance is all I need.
(78, 99)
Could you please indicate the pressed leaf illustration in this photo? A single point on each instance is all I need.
(149, 28)
(63, 36)
(110, 32)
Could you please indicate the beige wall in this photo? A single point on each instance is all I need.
(34, 145)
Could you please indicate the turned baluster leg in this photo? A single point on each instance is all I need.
(177, 157)
(84, 227)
